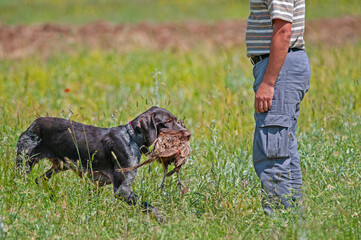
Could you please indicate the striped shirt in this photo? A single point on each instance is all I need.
(259, 26)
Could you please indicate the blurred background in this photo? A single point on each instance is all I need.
(121, 11)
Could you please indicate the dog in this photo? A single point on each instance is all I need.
(99, 152)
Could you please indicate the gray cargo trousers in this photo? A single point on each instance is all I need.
(275, 155)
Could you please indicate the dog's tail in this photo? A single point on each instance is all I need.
(26, 148)
(148, 161)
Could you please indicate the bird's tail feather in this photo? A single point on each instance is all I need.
(149, 160)
(170, 173)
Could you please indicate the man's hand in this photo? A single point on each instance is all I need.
(278, 51)
(264, 95)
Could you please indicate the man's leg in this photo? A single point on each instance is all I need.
(274, 172)
(275, 156)
(296, 174)
(271, 155)
(298, 83)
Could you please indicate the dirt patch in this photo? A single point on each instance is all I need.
(22, 41)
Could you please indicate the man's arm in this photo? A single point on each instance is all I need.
(279, 48)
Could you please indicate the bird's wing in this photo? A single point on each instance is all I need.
(185, 149)
(180, 161)
(168, 153)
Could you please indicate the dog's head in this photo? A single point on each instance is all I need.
(154, 121)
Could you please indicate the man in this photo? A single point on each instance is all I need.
(275, 44)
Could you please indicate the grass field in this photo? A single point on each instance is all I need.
(212, 90)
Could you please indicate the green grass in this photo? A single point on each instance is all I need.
(213, 90)
(83, 11)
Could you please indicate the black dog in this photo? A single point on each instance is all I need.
(100, 152)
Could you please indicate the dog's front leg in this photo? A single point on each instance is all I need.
(122, 187)
(124, 191)
(126, 194)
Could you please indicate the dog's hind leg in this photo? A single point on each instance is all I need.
(58, 166)
(46, 176)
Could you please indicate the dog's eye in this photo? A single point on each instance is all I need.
(169, 120)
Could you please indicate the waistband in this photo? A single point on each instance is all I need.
(256, 59)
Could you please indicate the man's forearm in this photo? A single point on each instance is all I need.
(278, 51)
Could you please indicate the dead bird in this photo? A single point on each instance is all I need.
(171, 147)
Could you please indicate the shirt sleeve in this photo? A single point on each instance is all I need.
(281, 9)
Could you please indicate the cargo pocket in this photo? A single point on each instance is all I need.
(275, 129)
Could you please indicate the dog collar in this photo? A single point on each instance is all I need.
(142, 147)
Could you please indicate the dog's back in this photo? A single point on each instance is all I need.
(49, 137)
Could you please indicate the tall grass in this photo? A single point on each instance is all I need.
(213, 91)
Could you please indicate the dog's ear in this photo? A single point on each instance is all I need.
(147, 128)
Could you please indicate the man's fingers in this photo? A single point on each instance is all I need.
(265, 106)
(260, 106)
(269, 104)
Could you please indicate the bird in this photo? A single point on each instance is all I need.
(171, 147)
